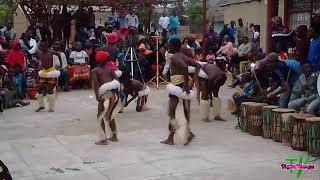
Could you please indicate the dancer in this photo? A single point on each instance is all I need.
(48, 76)
(180, 89)
(105, 87)
(210, 86)
(136, 89)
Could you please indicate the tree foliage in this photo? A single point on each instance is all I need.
(194, 10)
(7, 9)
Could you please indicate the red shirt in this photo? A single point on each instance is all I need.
(17, 57)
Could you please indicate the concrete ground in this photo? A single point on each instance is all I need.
(60, 146)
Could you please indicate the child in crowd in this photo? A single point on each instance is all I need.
(64, 73)
(210, 57)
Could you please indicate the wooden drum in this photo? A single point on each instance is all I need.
(299, 131)
(313, 136)
(244, 116)
(286, 128)
(255, 119)
(277, 122)
(267, 121)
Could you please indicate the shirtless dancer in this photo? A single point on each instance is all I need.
(48, 76)
(210, 86)
(137, 90)
(105, 87)
(180, 88)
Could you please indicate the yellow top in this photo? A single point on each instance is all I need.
(177, 79)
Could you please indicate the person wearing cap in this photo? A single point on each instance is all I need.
(48, 76)
(106, 85)
(180, 92)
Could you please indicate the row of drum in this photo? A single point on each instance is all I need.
(298, 130)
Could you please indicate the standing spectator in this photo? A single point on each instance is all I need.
(302, 44)
(314, 50)
(256, 36)
(66, 22)
(242, 31)
(44, 31)
(164, 24)
(131, 20)
(251, 33)
(212, 39)
(174, 24)
(29, 44)
(56, 25)
(223, 33)
(91, 19)
(82, 36)
(232, 31)
(33, 28)
(9, 28)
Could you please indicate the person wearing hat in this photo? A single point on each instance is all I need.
(106, 85)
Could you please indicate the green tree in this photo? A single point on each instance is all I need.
(194, 11)
(7, 9)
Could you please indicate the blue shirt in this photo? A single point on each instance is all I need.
(282, 71)
(174, 22)
(231, 33)
(314, 53)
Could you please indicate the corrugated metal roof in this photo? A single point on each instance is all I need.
(230, 2)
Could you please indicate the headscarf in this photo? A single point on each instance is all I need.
(101, 56)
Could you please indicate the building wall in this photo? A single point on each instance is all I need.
(20, 22)
(252, 12)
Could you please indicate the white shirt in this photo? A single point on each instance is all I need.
(164, 22)
(132, 20)
(79, 57)
(56, 61)
(32, 43)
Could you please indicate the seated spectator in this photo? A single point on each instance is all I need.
(9, 91)
(31, 77)
(308, 84)
(242, 52)
(80, 60)
(227, 48)
(64, 73)
(210, 57)
(29, 45)
(16, 56)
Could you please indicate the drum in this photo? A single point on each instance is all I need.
(286, 128)
(244, 116)
(255, 119)
(276, 122)
(299, 131)
(313, 136)
(267, 123)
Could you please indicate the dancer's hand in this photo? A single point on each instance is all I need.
(187, 88)
(99, 99)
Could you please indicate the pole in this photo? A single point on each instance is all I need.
(157, 53)
(204, 28)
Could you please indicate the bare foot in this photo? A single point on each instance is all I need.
(51, 110)
(120, 112)
(101, 143)
(40, 109)
(218, 118)
(113, 138)
(206, 120)
(191, 136)
(168, 142)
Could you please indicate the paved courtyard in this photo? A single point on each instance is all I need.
(60, 146)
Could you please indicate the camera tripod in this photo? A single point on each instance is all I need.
(131, 57)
